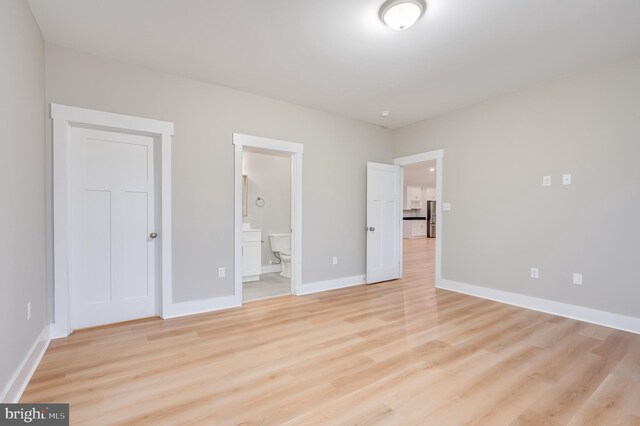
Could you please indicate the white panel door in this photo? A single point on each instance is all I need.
(112, 265)
(384, 199)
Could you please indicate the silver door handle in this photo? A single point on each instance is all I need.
(153, 235)
(371, 228)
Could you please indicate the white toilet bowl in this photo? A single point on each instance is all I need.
(286, 265)
(281, 247)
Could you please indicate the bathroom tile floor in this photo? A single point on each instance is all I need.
(270, 285)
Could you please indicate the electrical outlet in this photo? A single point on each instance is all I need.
(29, 311)
(577, 279)
(535, 274)
(335, 260)
(566, 179)
(222, 272)
(546, 180)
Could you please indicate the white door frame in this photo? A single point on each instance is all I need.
(64, 118)
(438, 156)
(295, 150)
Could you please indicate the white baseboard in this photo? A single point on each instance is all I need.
(201, 306)
(595, 316)
(270, 269)
(334, 284)
(21, 377)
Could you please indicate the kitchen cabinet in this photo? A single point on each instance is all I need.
(430, 194)
(414, 228)
(251, 255)
(412, 197)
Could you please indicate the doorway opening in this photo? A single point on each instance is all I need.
(266, 224)
(419, 218)
(268, 217)
(421, 232)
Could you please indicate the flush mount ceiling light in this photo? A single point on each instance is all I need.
(402, 14)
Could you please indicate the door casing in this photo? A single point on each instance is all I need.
(64, 118)
(295, 150)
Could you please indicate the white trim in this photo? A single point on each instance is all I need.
(64, 118)
(334, 284)
(267, 143)
(438, 156)
(419, 158)
(295, 150)
(193, 307)
(18, 382)
(270, 269)
(594, 316)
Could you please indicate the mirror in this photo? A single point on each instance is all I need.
(245, 191)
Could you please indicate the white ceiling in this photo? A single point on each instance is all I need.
(420, 174)
(337, 56)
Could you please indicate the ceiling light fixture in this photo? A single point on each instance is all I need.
(385, 113)
(402, 14)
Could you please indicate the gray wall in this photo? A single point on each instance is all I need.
(269, 178)
(504, 222)
(22, 190)
(336, 150)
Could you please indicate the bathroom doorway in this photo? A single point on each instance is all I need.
(268, 217)
(266, 224)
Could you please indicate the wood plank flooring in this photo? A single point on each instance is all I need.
(395, 353)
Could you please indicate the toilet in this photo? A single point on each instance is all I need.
(281, 247)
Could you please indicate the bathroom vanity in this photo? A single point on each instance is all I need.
(251, 254)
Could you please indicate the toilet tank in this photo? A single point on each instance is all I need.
(280, 242)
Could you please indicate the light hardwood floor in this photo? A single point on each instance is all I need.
(395, 353)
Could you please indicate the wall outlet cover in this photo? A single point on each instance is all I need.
(335, 260)
(222, 272)
(566, 179)
(577, 279)
(535, 273)
(546, 180)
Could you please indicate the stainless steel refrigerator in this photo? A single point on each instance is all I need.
(431, 219)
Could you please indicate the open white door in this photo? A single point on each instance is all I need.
(383, 222)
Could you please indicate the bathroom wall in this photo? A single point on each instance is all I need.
(269, 178)
(22, 186)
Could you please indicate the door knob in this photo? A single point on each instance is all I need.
(371, 228)
(153, 235)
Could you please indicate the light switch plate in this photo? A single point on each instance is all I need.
(566, 179)
(546, 180)
(446, 207)
(335, 260)
(577, 279)
(222, 272)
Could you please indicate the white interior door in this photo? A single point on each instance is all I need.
(112, 264)
(383, 222)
